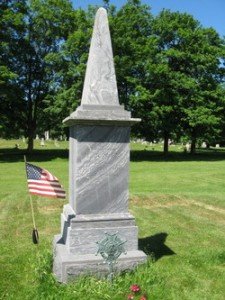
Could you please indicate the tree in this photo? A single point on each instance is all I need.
(221, 138)
(68, 66)
(131, 27)
(45, 26)
(11, 29)
(202, 106)
(163, 74)
(169, 81)
(168, 68)
(183, 74)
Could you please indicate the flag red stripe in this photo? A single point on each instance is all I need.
(52, 196)
(47, 176)
(44, 182)
(47, 192)
(46, 186)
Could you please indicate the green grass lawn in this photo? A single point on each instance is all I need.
(179, 205)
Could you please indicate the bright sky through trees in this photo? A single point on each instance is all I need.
(209, 13)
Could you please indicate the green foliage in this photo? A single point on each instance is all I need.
(38, 30)
(11, 28)
(68, 67)
(130, 28)
(184, 73)
(48, 288)
(170, 69)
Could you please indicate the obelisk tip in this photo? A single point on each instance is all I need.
(101, 10)
(100, 81)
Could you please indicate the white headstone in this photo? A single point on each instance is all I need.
(188, 147)
(204, 145)
(47, 135)
(42, 142)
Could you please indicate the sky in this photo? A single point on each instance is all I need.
(210, 13)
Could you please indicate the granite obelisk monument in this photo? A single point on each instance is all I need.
(99, 157)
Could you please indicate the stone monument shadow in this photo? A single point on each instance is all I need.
(64, 228)
(155, 245)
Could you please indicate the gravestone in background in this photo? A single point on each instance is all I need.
(99, 170)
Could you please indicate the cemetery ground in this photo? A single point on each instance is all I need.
(179, 205)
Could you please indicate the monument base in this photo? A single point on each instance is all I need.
(68, 266)
(75, 249)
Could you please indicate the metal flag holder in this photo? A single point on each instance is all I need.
(35, 236)
(110, 248)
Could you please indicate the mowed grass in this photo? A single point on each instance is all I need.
(179, 205)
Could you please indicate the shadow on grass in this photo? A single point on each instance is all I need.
(16, 155)
(155, 245)
(200, 155)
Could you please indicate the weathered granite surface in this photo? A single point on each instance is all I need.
(68, 266)
(98, 170)
(102, 115)
(76, 247)
(100, 81)
(100, 101)
(86, 230)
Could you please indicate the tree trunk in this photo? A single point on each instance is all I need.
(193, 146)
(30, 146)
(32, 122)
(31, 136)
(166, 143)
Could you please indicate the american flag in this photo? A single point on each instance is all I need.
(43, 183)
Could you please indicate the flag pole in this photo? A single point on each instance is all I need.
(32, 211)
(35, 232)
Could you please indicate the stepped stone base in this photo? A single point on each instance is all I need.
(68, 266)
(75, 249)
